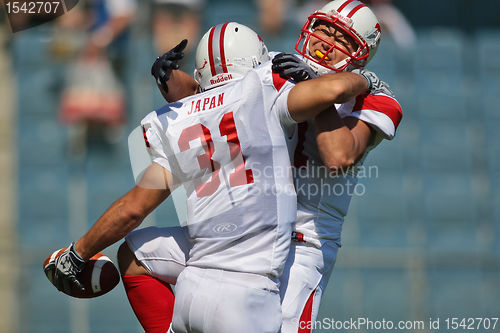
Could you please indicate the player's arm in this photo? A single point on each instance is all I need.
(308, 98)
(180, 85)
(341, 142)
(125, 214)
(314, 94)
(118, 220)
(173, 83)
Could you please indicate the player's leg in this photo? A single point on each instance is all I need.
(127, 262)
(216, 301)
(151, 299)
(306, 275)
(149, 260)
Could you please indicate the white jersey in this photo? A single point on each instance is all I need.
(227, 148)
(323, 199)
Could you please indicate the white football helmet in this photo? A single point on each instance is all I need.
(226, 52)
(356, 20)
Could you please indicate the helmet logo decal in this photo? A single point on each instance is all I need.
(373, 38)
(204, 64)
(221, 78)
(347, 21)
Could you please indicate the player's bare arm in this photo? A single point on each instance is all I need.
(125, 214)
(341, 142)
(122, 217)
(309, 98)
(180, 85)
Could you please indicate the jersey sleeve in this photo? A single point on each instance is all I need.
(275, 91)
(380, 111)
(151, 127)
(280, 106)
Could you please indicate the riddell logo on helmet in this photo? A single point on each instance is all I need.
(344, 20)
(221, 78)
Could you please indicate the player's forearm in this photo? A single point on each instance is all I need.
(180, 85)
(123, 216)
(349, 85)
(308, 98)
(112, 226)
(336, 143)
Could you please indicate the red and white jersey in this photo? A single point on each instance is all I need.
(228, 150)
(323, 199)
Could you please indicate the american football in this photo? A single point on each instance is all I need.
(98, 277)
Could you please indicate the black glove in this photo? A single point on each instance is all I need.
(67, 267)
(163, 66)
(289, 66)
(375, 85)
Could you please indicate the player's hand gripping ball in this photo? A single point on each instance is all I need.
(69, 273)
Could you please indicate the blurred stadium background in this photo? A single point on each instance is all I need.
(422, 242)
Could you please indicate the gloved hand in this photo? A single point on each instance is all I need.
(67, 267)
(289, 66)
(163, 66)
(375, 85)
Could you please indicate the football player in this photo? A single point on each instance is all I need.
(342, 36)
(227, 148)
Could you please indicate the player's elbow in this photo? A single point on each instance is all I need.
(338, 161)
(131, 217)
(334, 92)
(341, 92)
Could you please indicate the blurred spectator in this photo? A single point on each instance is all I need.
(106, 23)
(304, 8)
(393, 22)
(109, 30)
(94, 86)
(175, 20)
(271, 15)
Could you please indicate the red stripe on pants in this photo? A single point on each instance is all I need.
(305, 325)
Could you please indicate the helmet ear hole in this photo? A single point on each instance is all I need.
(236, 29)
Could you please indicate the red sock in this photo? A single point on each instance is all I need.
(152, 301)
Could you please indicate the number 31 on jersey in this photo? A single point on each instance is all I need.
(227, 127)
